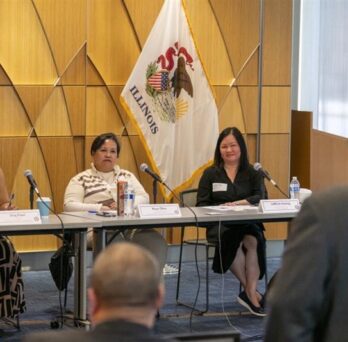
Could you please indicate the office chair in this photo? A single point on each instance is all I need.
(189, 198)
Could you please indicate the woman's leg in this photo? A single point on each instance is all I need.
(252, 270)
(238, 266)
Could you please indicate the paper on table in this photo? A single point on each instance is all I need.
(231, 208)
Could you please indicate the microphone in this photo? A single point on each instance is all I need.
(145, 168)
(31, 180)
(258, 167)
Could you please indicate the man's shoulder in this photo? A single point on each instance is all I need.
(333, 200)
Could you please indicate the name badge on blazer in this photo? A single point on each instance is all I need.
(219, 187)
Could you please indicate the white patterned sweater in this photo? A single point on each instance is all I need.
(91, 189)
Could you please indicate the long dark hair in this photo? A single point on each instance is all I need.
(100, 140)
(244, 159)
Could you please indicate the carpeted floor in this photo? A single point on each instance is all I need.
(224, 312)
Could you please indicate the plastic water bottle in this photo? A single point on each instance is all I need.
(295, 188)
(129, 197)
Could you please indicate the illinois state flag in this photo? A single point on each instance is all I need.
(169, 100)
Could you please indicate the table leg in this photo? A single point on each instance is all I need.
(80, 279)
(99, 238)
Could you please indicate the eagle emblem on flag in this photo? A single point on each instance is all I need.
(164, 82)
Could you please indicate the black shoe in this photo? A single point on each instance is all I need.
(262, 300)
(244, 300)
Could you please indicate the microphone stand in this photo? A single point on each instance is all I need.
(154, 190)
(276, 186)
(31, 197)
(287, 196)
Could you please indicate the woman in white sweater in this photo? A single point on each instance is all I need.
(95, 189)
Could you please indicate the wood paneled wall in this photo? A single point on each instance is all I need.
(317, 158)
(63, 64)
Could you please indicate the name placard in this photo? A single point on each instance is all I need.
(13, 217)
(279, 206)
(159, 210)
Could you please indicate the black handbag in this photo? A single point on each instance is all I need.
(61, 266)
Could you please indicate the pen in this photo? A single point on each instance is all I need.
(92, 211)
(11, 198)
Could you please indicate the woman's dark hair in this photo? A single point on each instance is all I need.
(244, 160)
(100, 140)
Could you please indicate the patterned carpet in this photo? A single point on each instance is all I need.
(224, 313)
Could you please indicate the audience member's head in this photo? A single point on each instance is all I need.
(126, 284)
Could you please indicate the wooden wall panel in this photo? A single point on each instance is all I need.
(32, 159)
(14, 121)
(251, 145)
(317, 158)
(248, 99)
(143, 23)
(54, 118)
(301, 147)
(276, 110)
(79, 147)
(231, 113)
(4, 80)
(35, 243)
(238, 22)
(64, 23)
(75, 72)
(101, 113)
(9, 161)
(59, 173)
(75, 97)
(33, 99)
(24, 52)
(211, 46)
(64, 63)
(275, 154)
(329, 165)
(111, 42)
(277, 42)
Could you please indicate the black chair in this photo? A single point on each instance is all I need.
(189, 198)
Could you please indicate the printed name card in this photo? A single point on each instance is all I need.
(13, 217)
(280, 205)
(159, 210)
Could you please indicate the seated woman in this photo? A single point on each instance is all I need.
(11, 283)
(95, 189)
(233, 181)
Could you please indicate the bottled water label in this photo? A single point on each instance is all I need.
(294, 189)
(129, 198)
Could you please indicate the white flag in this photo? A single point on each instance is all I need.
(169, 100)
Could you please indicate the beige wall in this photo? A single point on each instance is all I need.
(63, 64)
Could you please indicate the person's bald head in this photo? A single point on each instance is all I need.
(126, 274)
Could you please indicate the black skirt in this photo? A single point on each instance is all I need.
(231, 237)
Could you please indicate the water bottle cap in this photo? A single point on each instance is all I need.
(294, 178)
